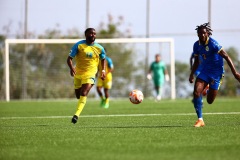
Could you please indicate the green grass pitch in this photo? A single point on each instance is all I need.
(41, 130)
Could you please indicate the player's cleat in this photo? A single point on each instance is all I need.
(106, 105)
(205, 91)
(199, 123)
(158, 98)
(74, 119)
(102, 103)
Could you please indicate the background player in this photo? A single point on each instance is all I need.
(87, 54)
(159, 70)
(212, 71)
(105, 84)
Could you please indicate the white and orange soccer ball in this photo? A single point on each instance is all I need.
(136, 96)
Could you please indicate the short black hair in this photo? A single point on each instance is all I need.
(206, 26)
(88, 29)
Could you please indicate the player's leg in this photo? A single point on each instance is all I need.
(158, 94)
(156, 86)
(77, 93)
(83, 97)
(107, 86)
(213, 88)
(106, 105)
(84, 90)
(197, 100)
(77, 86)
(212, 93)
(205, 90)
(99, 90)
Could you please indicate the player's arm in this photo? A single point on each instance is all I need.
(110, 65)
(103, 72)
(149, 75)
(110, 69)
(194, 68)
(70, 65)
(191, 61)
(230, 64)
(166, 74)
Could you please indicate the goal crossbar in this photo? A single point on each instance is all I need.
(73, 41)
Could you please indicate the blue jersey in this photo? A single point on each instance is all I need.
(200, 65)
(212, 62)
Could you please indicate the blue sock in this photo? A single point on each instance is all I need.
(198, 106)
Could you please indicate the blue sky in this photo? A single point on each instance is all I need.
(168, 18)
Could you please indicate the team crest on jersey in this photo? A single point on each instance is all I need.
(206, 48)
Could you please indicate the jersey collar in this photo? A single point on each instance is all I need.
(205, 42)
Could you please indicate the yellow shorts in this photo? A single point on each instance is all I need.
(78, 81)
(107, 83)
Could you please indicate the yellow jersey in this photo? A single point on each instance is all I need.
(87, 58)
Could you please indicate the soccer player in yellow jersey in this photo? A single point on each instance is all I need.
(105, 84)
(88, 54)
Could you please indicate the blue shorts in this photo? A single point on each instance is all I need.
(214, 81)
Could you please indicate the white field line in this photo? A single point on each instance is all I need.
(122, 115)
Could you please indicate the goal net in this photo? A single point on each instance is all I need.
(37, 68)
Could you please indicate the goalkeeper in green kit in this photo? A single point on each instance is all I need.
(158, 73)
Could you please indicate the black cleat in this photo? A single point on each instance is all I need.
(74, 119)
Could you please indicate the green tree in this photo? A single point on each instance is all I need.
(230, 85)
(183, 87)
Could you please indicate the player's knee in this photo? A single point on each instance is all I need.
(196, 94)
(84, 93)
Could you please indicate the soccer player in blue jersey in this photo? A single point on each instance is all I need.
(105, 84)
(160, 74)
(88, 54)
(212, 71)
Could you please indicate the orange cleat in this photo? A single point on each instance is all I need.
(199, 123)
(204, 92)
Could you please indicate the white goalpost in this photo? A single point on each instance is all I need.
(73, 41)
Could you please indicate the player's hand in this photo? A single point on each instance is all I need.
(167, 77)
(72, 72)
(191, 78)
(103, 75)
(149, 76)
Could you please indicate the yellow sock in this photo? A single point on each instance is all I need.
(80, 105)
(107, 100)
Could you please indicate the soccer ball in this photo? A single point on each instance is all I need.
(136, 96)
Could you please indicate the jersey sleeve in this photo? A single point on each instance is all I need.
(102, 55)
(74, 50)
(217, 47)
(195, 49)
(109, 62)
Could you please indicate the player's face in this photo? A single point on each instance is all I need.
(203, 35)
(158, 58)
(91, 36)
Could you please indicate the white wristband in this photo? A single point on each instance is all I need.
(103, 71)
